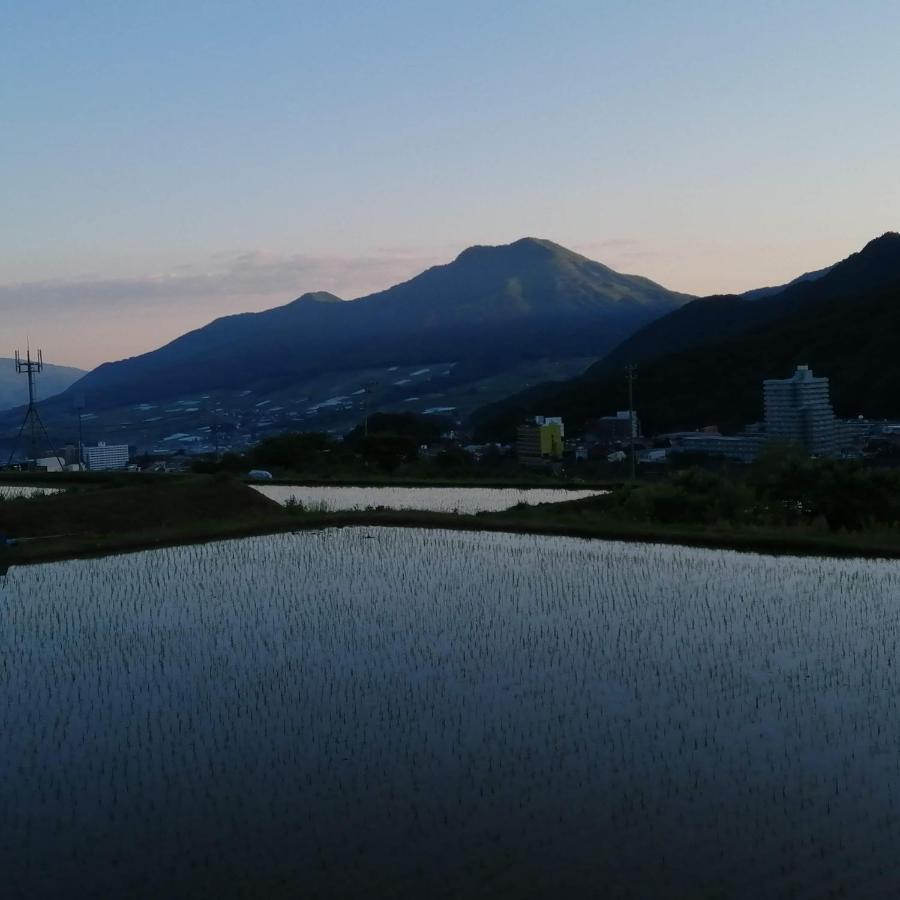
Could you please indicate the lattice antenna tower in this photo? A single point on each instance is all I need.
(32, 423)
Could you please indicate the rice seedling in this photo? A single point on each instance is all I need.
(369, 712)
(17, 491)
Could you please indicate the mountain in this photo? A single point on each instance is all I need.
(14, 387)
(490, 320)
(759, 293)
(704, 363)
(710, 319)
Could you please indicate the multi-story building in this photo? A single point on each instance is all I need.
(50, 464)
(106, 456)
(540, 440)
(742, 447)
(606, 430)
(71, 454)
(798, 411)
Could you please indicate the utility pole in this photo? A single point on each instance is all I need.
(79, 406)
(368, 387)
(629, 371)
(215, 427)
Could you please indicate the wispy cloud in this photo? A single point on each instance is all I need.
(621, 243)
(253, 275)
(89, 319)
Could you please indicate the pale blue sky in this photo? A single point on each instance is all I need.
(163, 163)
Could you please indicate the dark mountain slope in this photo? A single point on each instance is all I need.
(699, 322)
(492, 305)
(759, 293)
(712, 319)
(846, 332)
(531, 276)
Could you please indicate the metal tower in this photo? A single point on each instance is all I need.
(32, 421)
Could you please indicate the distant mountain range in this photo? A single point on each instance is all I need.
(14, 387)
(759, 293)
(501, 333)
(704, 363)
(489, 321)
(491, 305)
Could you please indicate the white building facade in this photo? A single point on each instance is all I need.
(798, 411)
(743, 447)
(106, 456)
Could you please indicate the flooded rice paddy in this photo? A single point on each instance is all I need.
(403, 713)
(433, 499)
(15, 491)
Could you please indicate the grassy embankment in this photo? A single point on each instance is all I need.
(100, 515)
(116, 514)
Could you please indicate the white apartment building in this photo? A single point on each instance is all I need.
(798, 410)
(106, 456)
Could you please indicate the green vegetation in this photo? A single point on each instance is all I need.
(782, 489)
(294, 455)
(422, 429)
(126, 512)
(388, 451)
(783, 504)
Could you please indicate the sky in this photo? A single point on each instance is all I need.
(165, 163)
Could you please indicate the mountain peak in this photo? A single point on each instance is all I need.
(318, 297)
(877, 264)
(523, 248)
(888, 243)
(534, 243)
(531, 277)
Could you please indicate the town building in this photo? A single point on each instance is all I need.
(798, 411)
(50, 464)
(607, 430)
(742, 447)
(106, 456)
(540, 440)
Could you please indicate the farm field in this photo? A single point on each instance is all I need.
(101, 513)
(370, 712)
(466, 500)
(15, 491)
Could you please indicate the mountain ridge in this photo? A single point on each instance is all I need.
(712, 375)
(490, 310)
(708, 319)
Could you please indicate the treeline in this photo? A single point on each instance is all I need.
(781, 489)
(387, 442)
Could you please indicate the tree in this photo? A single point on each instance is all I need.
(388, 451)
(292, 450)
(424, 429)
(453, 458)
